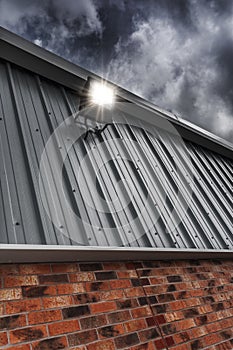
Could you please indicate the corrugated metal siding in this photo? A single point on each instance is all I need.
(181, 198)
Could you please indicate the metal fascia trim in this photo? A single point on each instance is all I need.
(10, 253)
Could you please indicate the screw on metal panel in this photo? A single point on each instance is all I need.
(60, 147)
(89, 238)
(17, 223)
(37, 129)
(61, 226)
(99, 229)
(0, 118)
(73, 189)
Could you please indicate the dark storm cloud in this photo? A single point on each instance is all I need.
(177, 54)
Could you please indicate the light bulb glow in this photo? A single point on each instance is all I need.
(102, 94)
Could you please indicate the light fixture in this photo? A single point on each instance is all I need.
(101, 94)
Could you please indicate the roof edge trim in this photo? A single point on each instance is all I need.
(20, 253)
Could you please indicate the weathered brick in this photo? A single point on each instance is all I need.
(38, 291)
(31, 269)
(126, 340)
(112, 295)
(82, 277)
(20, 347)
(102, 345)
(93, 321)
(126, 303)
(27, 334)
(52, 279)
(58, 301)
(15, 321)
(76, 311)
(16, 281)
(91, 267)
(3, 338)
(10, 294)
(15, 307)
(65, 267)
(114, 266)
(119, 316)
(105, 275)
(134, 292)
(82, 337)
(70, 288)
(97, 286)
(141, 312)
(63, 327)
(86, 298)
(44, 316)
(148, 334)
(110, 331)
(118, 284)
(135, 325)
(9, 269)
(51, 344)
(103, 307)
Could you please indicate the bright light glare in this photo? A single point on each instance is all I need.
(101, 94)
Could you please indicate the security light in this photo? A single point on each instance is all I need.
(102, 94)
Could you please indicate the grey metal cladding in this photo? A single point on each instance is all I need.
(158, 194)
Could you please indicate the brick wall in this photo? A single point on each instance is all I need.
(106, 306)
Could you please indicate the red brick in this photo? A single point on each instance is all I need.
(160, 344)
(51, 343)
(114, 266)
(31, 269)
(112, 294)
(144, 346)
(97, 286)
(110, 331)
(102, 345)
(117, 284)
(185, 324)
(14, 307)
(160, 319)
(141, 312)
(134, 325)
(64, 327)
(126, 340)
(127, 274)
(65, 267)
(10, 294)
(93, 321)
(19, 347)
(82, 277)
(55, 302)
(38, 291)
(134, 292)
(15, 321)
(120, 316)
(82, 337)
(53, 279)
(27, 334)
(15, 281)
(149, 334)
(44, 316)
(70, 288)
(9, 269)
(3, 338)
(103, 307)
(1, 309)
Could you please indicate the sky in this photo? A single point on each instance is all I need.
(177, 54)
